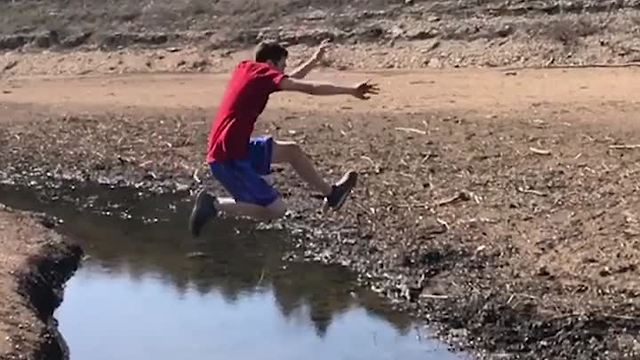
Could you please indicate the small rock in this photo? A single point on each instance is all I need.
(459, 333)
(505, 31)
(315, 15)
(543, 271)
(434, 63)
(200, 64)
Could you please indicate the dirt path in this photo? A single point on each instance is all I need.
(608, 95)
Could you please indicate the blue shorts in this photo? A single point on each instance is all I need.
(243, 178)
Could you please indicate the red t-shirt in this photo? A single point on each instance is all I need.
(245, 98)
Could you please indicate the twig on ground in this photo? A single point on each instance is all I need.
(421, 132)
(463, 196)
(533, 192)
(625, 146)
(416, 205)
(431, 296)
(621, 317)
(425, 158)
(443, 223)
(377, 168)
(368, 159)
(539, 151)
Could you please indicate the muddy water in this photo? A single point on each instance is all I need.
(149, 291)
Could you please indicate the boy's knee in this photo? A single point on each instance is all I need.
(276, 210)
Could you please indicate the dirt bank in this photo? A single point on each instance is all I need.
(502, 208)
(35, 264)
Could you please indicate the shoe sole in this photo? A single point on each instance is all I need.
(354, 178)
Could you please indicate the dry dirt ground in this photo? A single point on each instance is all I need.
(500, 203)
(380, 33)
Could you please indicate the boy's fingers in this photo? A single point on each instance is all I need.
(373, 88)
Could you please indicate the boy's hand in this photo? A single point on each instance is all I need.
(320, 51)
(364, 90)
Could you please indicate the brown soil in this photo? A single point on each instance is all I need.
(500, 205)
(34, 265)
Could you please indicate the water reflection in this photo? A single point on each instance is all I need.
(145, 240)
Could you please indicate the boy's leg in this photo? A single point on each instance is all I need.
(285, 152)
(291, 153)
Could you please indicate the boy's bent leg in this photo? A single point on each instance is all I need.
(291, 153)
(275, 210)
(207, 207)
(252, 195)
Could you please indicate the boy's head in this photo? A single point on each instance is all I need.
(272, 52)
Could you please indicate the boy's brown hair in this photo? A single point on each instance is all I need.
(270, 51)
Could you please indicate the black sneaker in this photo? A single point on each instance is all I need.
(341, 190)
(203, 211)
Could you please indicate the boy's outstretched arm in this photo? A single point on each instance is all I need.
(301, 71)
(361, 91)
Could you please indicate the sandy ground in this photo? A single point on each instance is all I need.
(605, 95)
(501, 204)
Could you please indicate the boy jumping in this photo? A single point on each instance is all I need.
(239, 161)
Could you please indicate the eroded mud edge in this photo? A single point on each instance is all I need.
(40, 280)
